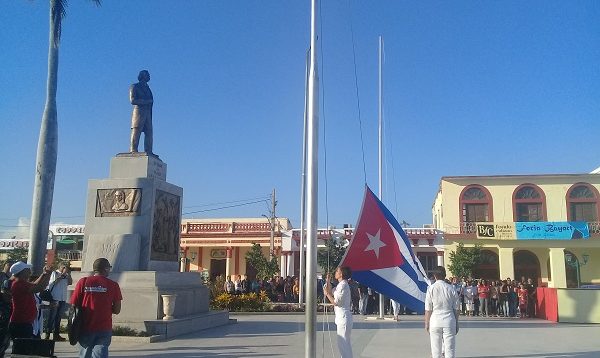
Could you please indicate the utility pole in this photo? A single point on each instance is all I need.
(272, 222)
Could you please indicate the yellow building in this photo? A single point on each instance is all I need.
(541, 226)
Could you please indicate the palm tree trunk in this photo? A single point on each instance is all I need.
(45, 167)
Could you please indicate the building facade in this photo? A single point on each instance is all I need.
(219, 246)
(544, 227)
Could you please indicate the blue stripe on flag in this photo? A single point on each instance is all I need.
(410, 272)
(388, 289)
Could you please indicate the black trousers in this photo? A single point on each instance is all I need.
(20, 330)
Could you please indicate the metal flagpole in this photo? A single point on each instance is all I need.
(312, 190)
(381, 297)
(303, 190)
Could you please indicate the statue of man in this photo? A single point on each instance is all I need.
(141, 118)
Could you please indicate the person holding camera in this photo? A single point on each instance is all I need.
(59, 281)
(24, 309)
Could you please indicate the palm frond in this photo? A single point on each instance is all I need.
(59, 12)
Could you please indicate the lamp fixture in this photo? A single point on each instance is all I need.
(585, 258)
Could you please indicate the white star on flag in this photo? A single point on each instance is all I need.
(375, 243)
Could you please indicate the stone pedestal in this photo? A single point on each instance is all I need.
(133, 218)
(142, 306)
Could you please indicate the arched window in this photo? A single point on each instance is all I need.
(475, 204)
(529, 203)
(582, 203)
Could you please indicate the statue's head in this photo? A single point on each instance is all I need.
(119, 195)
(144, 76)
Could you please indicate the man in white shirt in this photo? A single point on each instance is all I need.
(342, 306)
(59, 281)
(441, 315)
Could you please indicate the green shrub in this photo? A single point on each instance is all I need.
(129, 332)
(250, 302)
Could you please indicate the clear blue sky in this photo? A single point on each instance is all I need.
(471, 88)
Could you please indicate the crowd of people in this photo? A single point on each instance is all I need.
(496, 298)
(478, 297)
(278, 289)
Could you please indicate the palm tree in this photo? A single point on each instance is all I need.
(45, 166)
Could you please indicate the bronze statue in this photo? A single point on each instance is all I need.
(141, 118)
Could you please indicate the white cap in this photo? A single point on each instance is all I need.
(18, 266)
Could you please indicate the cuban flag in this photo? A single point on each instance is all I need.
(381, 257)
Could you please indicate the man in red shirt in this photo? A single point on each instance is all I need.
(24, 309)
(99, 298)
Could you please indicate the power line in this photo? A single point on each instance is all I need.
(227, 202)
(224, 207)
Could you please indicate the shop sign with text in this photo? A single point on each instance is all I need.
(554, 230)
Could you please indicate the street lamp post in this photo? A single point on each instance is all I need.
(573, 261)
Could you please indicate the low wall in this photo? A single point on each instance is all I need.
(578, 305)
(568, 305)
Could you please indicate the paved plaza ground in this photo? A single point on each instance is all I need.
(277, 335)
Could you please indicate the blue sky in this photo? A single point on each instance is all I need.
(471, 88)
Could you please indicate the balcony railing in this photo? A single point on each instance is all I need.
(71, 255)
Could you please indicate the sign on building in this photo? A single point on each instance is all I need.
(553, 230)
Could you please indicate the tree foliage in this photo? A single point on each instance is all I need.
(16, 254)
(264, 267)
(464, 260)
(331, 256)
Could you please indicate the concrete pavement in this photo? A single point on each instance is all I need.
(260, 335)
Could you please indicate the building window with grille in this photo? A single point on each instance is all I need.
(475, 206)
(529, 203)
(582, 203)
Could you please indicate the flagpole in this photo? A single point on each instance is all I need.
(381, 297)
(303, 190)
(312, 191)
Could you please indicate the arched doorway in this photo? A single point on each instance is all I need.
(526, 265)
(488, 267)
(572, 269)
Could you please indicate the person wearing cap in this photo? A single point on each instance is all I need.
(24, 309)
(99, 298)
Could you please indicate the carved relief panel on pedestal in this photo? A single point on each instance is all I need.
(118, 202)
(165, 230)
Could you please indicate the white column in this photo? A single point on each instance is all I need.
(557, 268)
(290, 264)
(283, 265)
(440, 258)
(228, 263)
(506, 263)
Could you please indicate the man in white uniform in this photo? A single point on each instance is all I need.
(441, 315)
(342, 304)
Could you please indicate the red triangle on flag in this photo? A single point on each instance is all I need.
(373, 245)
